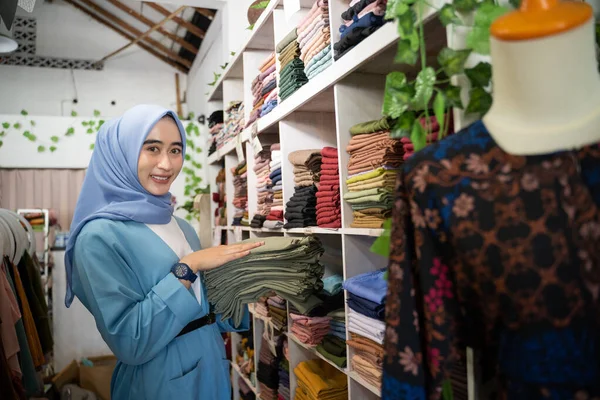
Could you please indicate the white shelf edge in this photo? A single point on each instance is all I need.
(357, 378)
(217, 156)
(362, 232)
(238, 54)
(311, 230)
(237, 369)
(313, 349)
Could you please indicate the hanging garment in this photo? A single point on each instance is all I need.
(500, 253)
(140, 308)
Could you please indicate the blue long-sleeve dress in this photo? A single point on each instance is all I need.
(122, 276)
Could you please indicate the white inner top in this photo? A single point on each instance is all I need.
(174, 237)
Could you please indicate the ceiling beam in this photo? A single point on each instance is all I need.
(135, 32)
(187, 25)
(181, 41)
(207, 13)
(127, 36)
(145, 34)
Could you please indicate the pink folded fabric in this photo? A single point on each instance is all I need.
(322, 20)
(268, 72)
(267, 61)
(317, 7)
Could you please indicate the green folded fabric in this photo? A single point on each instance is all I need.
(366, 193)
(334, 345)
(339, 361)
(284, 94)
(290, 37)
(371, 127)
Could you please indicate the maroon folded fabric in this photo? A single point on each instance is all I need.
(330, 172)
(327, 203)
(329, 152)
(328, 167)
(329, 161)
(328, 188)
(326, 194)
(327, 220)
(330, 178)
(334, 213)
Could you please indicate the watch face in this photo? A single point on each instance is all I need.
(180, 270)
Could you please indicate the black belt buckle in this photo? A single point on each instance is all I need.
(208, 319)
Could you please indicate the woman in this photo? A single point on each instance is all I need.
(138, 269)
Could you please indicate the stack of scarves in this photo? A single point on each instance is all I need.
(309, 330)
(360, 20)
(367, 360)
(301, 208)
(219, 198)
(366, 300)
(291, 67)
(374, 161)
(334, 349)
(277, 308)
(245, 392)
(260, 307)
(268, 371)
(366, 294)
(264, 90)
(215, 125)
(274, 219)
(316, 379)
(284, 377)
(337, 326)
(287, 266)
(328, 195)
(233, 124)
(314, 37)
(240, 198)
(262, 171)
(409, 148)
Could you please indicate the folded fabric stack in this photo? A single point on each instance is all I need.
(360, 20)
(338, 323)
(274, 219)
(309, 330)
(261, 308)
(264, 90)
(314, 37)
(219, 198)
(245, 392)
(268, 371)
(215, 125)
(334, 349)
(328, 195)
(367, 360)
(240, 199)
(409, 148)
(277, 308)
(284, 377)
(374, 161)
(317, 380)
(233, 124)
(287, 266)
(301, 208)
(262, 170)
(291, 67)
(366, 299)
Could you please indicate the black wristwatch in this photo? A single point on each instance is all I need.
(183, 271)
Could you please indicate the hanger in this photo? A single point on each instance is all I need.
(18, 233)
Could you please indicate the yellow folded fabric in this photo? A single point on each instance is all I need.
(369, 175)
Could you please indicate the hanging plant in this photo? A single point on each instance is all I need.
(409, 103)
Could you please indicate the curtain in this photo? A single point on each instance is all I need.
(56, 189)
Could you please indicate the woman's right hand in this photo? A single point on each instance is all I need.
(213, 257)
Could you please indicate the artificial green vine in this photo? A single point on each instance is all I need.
(407, 102)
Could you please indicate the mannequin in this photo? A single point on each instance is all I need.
(546, 81)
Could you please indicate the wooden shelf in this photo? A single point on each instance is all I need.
(356, 377)
(261, 38)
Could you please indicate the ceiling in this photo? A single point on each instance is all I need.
(169, 32)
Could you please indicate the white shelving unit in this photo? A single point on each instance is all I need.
(319, 114)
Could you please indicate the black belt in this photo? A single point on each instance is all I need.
(198, 323)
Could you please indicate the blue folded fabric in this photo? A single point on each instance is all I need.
(366, 307)
(274, 173)
(338, 334)
(367, 21)
(268, 107)
(337, 324)
(337, 329)
(332, 285)
(371, 286)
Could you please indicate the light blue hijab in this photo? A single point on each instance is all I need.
(111, 188)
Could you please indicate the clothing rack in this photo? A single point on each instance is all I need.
(46, 250)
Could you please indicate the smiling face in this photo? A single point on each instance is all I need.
(161, 157)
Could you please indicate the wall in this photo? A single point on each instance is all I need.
(129, 78)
